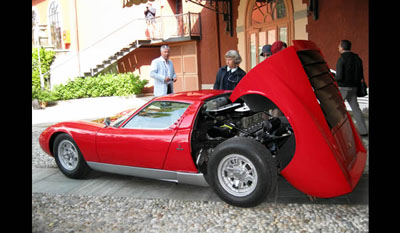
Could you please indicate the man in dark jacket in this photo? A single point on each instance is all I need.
(349, 73)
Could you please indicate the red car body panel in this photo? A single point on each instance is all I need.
(180, 154)
(134, 147)
(327, 162)
(82, 132)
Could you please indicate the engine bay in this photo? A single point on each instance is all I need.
(219, 119)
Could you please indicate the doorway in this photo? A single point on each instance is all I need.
(267, 21)
(184, 57)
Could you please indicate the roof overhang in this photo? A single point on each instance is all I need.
(225, 9)
(129, 3)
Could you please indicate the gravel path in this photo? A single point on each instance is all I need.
(39, 158)
(59, 213)
(72, 213)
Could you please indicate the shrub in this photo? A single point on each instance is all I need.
(123, 84)
(46, 96)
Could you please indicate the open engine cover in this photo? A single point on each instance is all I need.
(329, 157)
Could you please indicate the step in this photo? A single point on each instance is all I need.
(126, 49)
(113, 57)
(144, 41)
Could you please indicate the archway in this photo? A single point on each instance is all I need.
(266, 22)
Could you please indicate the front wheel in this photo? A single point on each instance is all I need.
(242, 172)
(69, 158)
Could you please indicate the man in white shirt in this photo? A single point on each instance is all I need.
(162, 70)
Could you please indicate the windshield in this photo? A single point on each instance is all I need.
(117, 123)
(157, 115)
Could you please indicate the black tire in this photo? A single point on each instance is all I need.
(72, 165)
(242, 162)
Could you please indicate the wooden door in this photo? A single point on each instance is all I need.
(184, 57)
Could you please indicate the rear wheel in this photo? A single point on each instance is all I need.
(69, 158)
(242, 172)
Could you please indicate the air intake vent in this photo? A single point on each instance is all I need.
(324, 86)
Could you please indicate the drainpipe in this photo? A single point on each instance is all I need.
(218, 37)
(40, 69)
(77, 39)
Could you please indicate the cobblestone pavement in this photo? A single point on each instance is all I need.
(95, 213)
(67, 213)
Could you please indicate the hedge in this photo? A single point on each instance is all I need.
(123, 84)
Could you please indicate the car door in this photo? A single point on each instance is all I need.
(144, 140)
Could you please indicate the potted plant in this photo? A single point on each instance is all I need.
(45, 96)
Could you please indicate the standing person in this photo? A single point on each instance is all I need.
(266, 51)
(229, 76)
(349, 73)
(278, 46)
(150, 14)
(162, 70)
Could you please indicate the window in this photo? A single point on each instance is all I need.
(265, 11)
(267, 22)
(54, 22)
(34, 18)
(158, 115)
(253, 53)
(35, 27)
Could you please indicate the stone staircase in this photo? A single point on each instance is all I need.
(113, 58)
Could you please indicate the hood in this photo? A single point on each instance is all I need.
(329, 156)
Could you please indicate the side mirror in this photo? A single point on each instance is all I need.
(107, 122)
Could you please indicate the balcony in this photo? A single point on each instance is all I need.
(180, 27)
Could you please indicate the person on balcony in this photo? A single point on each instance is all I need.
(229, 76)
(162, 70)
(150, 14)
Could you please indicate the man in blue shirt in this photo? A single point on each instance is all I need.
(162, 70)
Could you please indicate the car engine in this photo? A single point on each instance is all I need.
(219, 120)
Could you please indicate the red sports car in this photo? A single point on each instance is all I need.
(286, 116)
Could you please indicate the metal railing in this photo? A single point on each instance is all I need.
(175, 26)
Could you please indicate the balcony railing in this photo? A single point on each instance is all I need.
(186, 25)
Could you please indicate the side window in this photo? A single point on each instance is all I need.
(158, 115)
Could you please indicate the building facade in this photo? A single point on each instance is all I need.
(99, 35)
